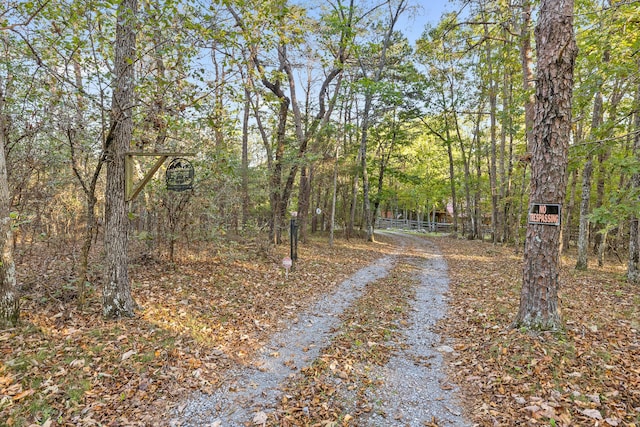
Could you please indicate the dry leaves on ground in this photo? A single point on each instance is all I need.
(587, 375)
(218, 304)
(208, 312)
(333, 390)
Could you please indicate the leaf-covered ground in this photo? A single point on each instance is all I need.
(209, 311)
(219, 303)
(588, 375)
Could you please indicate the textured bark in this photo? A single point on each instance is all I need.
(116, 292)
(552, 127)
(9, 298)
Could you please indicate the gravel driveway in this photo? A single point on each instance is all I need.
(414, 389)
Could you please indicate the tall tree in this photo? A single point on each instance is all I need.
(557, 50)
(374, 76)
(596, 121)
(9, 298)
(633, 265)
(9, 295)
(116, 292)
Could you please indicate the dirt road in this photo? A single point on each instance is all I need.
(411, 390)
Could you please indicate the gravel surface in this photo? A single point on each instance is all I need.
(253, 391)
(414, 389)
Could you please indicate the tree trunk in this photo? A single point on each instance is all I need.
(477, 196)
(527, 80)
(583, 236)
(245, 159)
(566, 221)
(116, 293)
(90, 230)
(452, 183)
(557, 51)
(9, 297)
(633, 266)
(304, 196)
(333, 200)
(467, 174)
(527, 71)
(366, 205)
(368, 103)
(89, 189)
(583, 233)
(493, 178)
(354, 201)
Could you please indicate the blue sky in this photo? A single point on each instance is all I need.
(429, 11)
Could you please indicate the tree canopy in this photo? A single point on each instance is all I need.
(274, 97)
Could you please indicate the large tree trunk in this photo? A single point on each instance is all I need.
(116, 292)
(557, 51)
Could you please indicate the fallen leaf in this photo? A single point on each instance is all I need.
(23, 394)
(128, 354)
(592, 413)
(260, 418)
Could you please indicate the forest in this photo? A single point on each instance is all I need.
(311, 108)
(328, 113)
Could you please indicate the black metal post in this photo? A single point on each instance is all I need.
(293, 237)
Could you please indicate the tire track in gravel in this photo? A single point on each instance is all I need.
(411, 394)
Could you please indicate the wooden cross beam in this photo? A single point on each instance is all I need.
(131, 191)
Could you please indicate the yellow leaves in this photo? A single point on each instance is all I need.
(23, 394)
